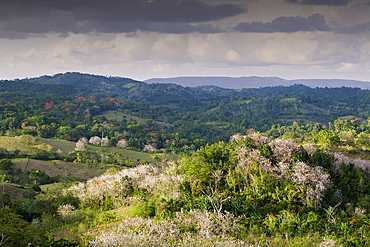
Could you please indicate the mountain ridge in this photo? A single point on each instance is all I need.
(256, 82)
(174, 95)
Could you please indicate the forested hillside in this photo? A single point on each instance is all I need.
(117, 162)
(257, 81)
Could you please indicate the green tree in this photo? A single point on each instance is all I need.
(18, 232)
(5, 164)
(207, 160)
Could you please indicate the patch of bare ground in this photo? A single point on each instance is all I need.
(59, 168)
(15, 191)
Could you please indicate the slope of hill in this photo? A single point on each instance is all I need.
(86, 82)
(286, 91)
(226, 190)
(27, 86)
(170, 103)
(185, 96)
(74, 84)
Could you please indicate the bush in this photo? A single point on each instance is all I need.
(5, 164)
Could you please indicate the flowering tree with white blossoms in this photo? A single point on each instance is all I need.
(95, 140)
(104, 142)
(149, 148)
(122, 143)
(84, 140)
(195, 228)
(66, 211)
(120, 185)
(313, 180)
(81, 144)
(282, 149)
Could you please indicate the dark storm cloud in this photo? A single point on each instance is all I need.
(82, 16)
(312, 23)
(321, 2)
(172, 28)
(181, 28)
(355, 29)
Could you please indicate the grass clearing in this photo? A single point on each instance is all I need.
(220, 125)
(114, 115)
(13, 143)
(16, 192)
(118, 116)
(52, 187)
(130, 154)
(245, 101)
(65, 146)
(68, 170)
(290, 100)
(350, 117)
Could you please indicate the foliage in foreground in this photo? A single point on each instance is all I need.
(250, 191)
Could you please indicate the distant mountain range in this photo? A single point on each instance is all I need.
(257, 82)
(189, 93)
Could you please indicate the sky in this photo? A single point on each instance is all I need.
(142, 39)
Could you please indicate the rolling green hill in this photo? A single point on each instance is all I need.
(118, 161)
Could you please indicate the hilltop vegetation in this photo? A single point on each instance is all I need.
(198, 115)
(92, 167)
(250, 191)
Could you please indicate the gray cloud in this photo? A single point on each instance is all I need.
(355, 29)
(82, 16)
(170, 28)
(321, 2)
(312, 23)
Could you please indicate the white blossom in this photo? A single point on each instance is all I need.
(210, 230)
(122, 143)
(237, 137)
(149, 148)
(282, 149)
(104, 141)
(328, 242)
(310, 149)
(95, 140)
(84, 140)
(341, 159)
(258, 139)
(116, 185)
(313, 180)
(80, 145)
(66, 211)
(247, 157)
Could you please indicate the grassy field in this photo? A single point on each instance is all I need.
(350, 117)
(72, 171)
(130, 154)
(290, 100)
(245, 101)
(65, 146)
(22, 143)
(16, 192)
(25, 142)
(118, 116)
(53, 168)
